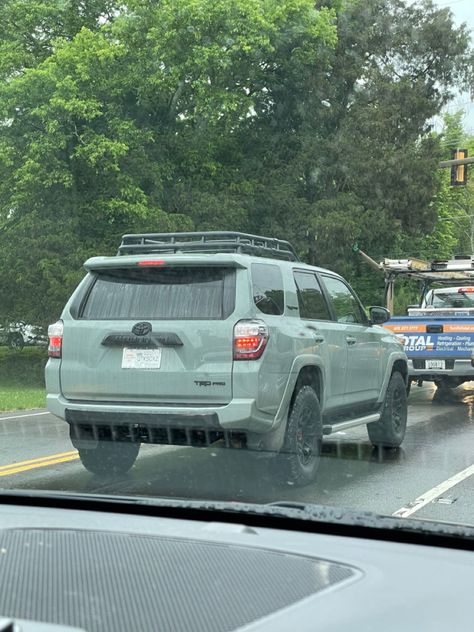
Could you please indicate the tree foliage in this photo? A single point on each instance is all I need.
(305, 122)
(453, 231)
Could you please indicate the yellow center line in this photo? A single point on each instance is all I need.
(31, 464)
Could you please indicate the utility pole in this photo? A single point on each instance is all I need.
(458, 164)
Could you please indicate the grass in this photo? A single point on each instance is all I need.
(22, 378)
(15, 398)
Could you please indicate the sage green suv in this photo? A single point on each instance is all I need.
(196, 338)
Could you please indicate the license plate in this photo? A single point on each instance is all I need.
(147, 359)
(435, 364)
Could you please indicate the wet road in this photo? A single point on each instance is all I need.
(431, 476)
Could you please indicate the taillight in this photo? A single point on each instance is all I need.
(250, 339)
(55, 334)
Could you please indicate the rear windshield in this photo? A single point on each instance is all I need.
(178, 293)
(453, 299)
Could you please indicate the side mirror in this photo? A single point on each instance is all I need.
(378, 315)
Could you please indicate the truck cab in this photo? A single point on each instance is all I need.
(460, 299)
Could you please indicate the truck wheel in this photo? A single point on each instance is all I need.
(442, 385)
(301, 453)
(110, 457)
(389, 431)
(16, 342)
(445, 384)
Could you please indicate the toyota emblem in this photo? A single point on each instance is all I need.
(141, 329)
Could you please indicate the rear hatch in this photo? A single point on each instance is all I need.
(151, 332)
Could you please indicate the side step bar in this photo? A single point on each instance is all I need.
(343, 425)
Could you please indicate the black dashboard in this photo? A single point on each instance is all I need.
(111, 571)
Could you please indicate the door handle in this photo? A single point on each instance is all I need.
(351, 340)
(317, 337)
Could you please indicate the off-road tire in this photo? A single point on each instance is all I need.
(446, 384)
(299, 458)
(110, 457)
(389, 431)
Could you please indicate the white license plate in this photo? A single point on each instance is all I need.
(147, 359)
(435, 364)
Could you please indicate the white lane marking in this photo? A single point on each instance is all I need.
(433, 493)
(20, 416)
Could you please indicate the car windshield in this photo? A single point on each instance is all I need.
(216, 220)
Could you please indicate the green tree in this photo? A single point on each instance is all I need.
(365, 156)
(453, 207)
(359, 162)
(301, 121)
(129, 124)
(30, 27)
(454, 231)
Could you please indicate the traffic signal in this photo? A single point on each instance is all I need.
(458, 172)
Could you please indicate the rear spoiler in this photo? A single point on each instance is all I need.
(132, 261)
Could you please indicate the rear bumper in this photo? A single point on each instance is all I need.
(239, 415)
(462, 368)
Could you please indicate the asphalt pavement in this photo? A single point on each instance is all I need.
(431, 476)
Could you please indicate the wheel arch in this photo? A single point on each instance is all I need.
(305, 371)
(309, 375)
(400, 366)
(397, 363)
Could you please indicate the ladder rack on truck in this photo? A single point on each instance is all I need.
(460, 269)
(439, 340)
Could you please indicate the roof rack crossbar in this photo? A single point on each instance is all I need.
(207, 242)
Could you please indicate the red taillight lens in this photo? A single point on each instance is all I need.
(250, 339)
(55, 334)
(247, 343)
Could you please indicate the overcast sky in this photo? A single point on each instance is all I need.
(463, 11)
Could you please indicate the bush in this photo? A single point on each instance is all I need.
(23, 368)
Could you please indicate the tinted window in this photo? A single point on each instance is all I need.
(453, 299)
(267, 285)
(162, 293)
(345, 304)
(311, 301)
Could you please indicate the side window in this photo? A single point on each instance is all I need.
(267, 284)
(311, 301)
(345, 304)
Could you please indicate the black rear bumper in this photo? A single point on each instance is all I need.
(199, 430)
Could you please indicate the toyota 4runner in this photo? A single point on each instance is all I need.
(197, 338)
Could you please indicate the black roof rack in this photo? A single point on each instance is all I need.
(209, 242)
